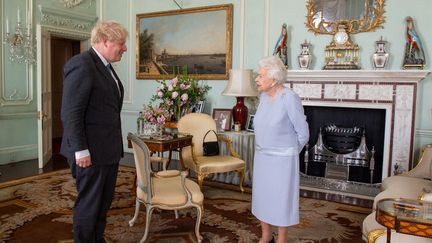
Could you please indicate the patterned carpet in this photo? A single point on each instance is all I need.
(38, 209)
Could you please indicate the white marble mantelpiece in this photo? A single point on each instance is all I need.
(395, 91)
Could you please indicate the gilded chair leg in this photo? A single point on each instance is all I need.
(149, 210)
(198, 223)
(200, 180)
(135, 217)
(242, 175)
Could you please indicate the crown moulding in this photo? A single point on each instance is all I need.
(65, 18)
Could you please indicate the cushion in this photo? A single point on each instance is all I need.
(402, 238)
(168, 191)
(219, 163)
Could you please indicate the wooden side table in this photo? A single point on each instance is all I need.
(405, 216)
(167, 143)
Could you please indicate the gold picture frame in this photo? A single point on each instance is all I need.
(324, 23)
(199, 39)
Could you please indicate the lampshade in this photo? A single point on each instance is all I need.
(240, 84)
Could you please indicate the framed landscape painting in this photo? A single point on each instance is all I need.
(196, 39)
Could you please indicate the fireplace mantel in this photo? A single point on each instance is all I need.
(392, 90)
(358, 75)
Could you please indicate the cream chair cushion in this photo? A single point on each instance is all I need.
(402, 238)
(169, 192)
(220, 164)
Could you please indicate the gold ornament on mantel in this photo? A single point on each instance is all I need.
(341, 53)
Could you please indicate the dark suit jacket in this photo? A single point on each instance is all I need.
(91, 110)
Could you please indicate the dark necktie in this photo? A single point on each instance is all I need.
(117, 79)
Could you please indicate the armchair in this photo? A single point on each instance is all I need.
(197, 124)
(414, 184)
(167, 190)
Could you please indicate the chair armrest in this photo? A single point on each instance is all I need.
(194, 158)
(230, 147)
(423, 168)
(183, 175)
(167, 173)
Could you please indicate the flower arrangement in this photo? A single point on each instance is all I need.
(155, 115)
(179, 94)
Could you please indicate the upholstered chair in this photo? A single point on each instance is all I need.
(414, 184)
(167, 190)
(198, 124)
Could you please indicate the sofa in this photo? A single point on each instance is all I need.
(415, 184)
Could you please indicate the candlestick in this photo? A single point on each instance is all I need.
(18, 15)
(7, 25)
(28, 23)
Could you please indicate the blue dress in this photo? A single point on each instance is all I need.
(281, 131)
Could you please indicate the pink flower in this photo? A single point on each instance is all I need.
(184, 97)
(161, 119)
(160, 94)
(174, 81)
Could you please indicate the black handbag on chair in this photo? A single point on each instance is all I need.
(210, 148)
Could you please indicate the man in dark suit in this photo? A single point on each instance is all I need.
(92, 137)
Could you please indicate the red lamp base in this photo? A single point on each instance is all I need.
(240, 113)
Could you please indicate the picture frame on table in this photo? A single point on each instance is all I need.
(222, 118)
(170, 41)
(250, 123)
(198, 107)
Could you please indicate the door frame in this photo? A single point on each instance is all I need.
(51, 31)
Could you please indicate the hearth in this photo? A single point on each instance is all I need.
(344, 151)
(338, 149)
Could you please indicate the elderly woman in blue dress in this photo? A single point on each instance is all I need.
(281, 131)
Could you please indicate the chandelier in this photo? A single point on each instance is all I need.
(21, 44)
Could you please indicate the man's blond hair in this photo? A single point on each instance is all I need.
(108, 30)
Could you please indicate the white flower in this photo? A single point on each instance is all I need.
(184, 97)
(174, 95)
(170, 88)
(160, 94)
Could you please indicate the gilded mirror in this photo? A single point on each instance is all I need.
(324, 16)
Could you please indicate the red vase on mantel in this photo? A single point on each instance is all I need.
(240, 113)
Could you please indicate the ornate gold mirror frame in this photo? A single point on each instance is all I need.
(320, 21)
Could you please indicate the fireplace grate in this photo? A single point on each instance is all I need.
(340, 148)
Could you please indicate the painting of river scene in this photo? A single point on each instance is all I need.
(196, 39)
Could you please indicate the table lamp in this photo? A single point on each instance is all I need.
(240, 85)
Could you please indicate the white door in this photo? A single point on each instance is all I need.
(44, 96)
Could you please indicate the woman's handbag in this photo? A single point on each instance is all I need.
(210, 148)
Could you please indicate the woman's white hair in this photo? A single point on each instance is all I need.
(276, 70)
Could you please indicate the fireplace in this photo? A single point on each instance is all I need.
(361, 121)
(386, 98)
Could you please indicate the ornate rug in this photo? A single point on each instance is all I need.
(39, 209)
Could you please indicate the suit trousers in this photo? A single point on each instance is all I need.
(95, 186)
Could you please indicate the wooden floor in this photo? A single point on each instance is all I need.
(28, 168)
